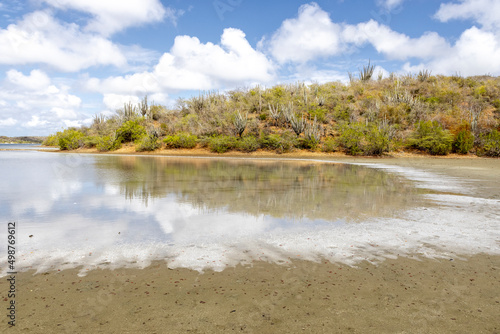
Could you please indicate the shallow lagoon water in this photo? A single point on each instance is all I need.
(126, 211)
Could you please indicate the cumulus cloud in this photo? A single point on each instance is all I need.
(395, 45)
(35, 122)
(35, 81)
(34, 101)
(40, 39)
(484, 12)
(312, 34)
(475, 52)
(8, 122)
(111, 16)
(192, 65)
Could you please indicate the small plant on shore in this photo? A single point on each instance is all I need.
(52, 140)
(147, 143)
(490, 144)
(464, 142)
(181, 140)
(221, 144)
(358, 139)
(248, 144)
(90, 141)
(130, 131)
(108, 143)
(70, 139)
(430, 137)
(329, 145)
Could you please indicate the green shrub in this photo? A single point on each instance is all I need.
(221, 144)
(430, 137)
(147, 143)
(490, 144)
(377, 141)
(307, 143)
(130, 131)
(359, 139)
(247, 144)
(70, 139)
(181, 140)
(280, 143)
(464, 142)
(329, 145)
(351, 138)
(90, 141)
(52, 140)
(108, 143)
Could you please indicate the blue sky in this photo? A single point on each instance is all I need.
(62, 61)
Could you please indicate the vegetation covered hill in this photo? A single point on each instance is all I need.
(22, 140)
(433, 114)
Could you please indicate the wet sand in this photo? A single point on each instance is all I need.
(455, 295)
(397, 296)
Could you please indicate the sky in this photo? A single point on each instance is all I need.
(64, 61)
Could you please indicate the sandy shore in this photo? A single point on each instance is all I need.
(419, 295)
(397, 296)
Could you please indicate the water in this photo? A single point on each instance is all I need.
(25, 147)
(119, 211)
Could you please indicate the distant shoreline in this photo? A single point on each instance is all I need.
(130, 150)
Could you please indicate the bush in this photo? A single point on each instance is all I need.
(147, 143)
(70, 139)
(52, 140)
(247, 144)
(464, 142)
(307, 143)
(279, 143)
(490, 144)
(221, 144)
(351, 138)
(377, 141)
(90, 141)
(330, 145)
(130, 131)
(430, 137)
(107, 143)
(181, 140)
(358, 139)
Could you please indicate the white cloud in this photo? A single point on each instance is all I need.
(395, 45)
(34, 122)
(192, 65)
(312, 34)
(40, 38)
(390, 4)
(34, 101)
(116, 101)
(8, 122)
(475, 52)
(110, 16)
(37, 80)
(484, 12)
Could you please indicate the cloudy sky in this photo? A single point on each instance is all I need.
(62, 61)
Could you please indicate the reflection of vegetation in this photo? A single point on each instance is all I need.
(280, 189)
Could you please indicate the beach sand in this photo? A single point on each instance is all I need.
(403, 295)
(397, 296)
